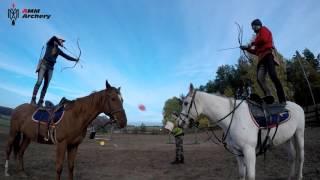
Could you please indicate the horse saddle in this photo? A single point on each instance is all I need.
(50, 113)
(267, 115)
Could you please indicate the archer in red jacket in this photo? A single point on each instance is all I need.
(262, 46)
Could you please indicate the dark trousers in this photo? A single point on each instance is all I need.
(45, 73)
(179, 148)
(267, 65)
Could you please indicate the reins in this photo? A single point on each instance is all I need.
(224, 136)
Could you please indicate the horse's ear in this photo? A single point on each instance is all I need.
(191, 88)
(107, 84)
(119, 88)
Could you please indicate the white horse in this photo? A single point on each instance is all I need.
(242, 136)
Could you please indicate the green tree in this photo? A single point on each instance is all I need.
(226, 80)
(203, 121)
(310, 58)
(209, 87)
(230, 77)
(247, 73)
(300, 89)
(171, 105)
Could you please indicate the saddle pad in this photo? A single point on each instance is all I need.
(43, 115)
(276, 113)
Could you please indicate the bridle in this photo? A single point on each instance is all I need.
(195, 106)
(188, 113)
(224, 137)
(111, 114)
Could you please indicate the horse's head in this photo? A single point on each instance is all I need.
(113, 106)
(190, 112)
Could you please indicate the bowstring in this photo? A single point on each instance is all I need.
(73, 54)
(240, 41)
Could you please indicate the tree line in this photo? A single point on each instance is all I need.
(5, 111)
(293, 74)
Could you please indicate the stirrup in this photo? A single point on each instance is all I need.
(47, 138)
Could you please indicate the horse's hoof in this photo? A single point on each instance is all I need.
(6, 174)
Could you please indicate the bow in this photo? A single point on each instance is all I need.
(77, 57)
(240, 37)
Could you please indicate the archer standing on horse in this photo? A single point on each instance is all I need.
(45, 67)
(263, 47)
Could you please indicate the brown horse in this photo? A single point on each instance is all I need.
(69, 132)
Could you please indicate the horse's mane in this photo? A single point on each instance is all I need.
(221, 95)
(86, 102)
(216, 94)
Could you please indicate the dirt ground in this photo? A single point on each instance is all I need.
(143, 157)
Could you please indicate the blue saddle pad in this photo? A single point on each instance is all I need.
(44, 115)
(274, 120)
(276, 114)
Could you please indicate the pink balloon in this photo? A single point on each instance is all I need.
(142, 107)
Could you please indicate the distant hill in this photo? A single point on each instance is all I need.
(5, 111)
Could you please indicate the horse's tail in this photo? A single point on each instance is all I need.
(16, 144)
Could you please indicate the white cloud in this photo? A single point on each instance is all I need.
(27, 92)
(16, 90)
(13, 64)
(70, 92)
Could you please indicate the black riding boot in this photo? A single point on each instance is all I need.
(34, 94)
(40, 102)
(33, 100)
(43, 93)
(176, 161)
(182, 159)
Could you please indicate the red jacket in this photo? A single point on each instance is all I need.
(262, 44)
